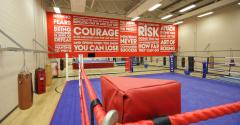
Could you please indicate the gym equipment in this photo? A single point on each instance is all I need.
(175, 62)
(203, 93)
(177, 119)
(183, 62)
(187, 72)
(129, 65)
(145, 66)
(99, 64)
(162, 97)
(48, 74)
(204, 70)
(232, 62)
(171, 62)
(25, 90)
(211, 62)
(75, 64)
(61, 64)
(54, 66)
(164, 61)
(141, 60)
(136, 61)
(40, 81)
(191, 63)
(91, 64)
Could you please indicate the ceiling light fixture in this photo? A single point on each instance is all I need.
(154, 7)
(177, 23)
(187, 8)
(205, 14)
(56, 9)
(239, 3)
(166, 17)
(135, 18)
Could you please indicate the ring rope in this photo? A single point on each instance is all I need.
(204, 114)
(84, 106)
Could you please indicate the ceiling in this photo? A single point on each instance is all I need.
(122, 8)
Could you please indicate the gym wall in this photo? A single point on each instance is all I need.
(219, 31)
(23, 20)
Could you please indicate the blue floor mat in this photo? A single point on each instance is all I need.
(197, 93)
(68, 109)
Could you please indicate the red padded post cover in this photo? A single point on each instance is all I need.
(140, 98)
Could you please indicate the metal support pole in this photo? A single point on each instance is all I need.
(79, 69)
(66, 66)
(82, 61)
(40, 44)
(11, 39)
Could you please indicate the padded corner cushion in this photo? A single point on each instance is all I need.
(140, 99)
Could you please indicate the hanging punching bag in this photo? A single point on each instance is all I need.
(40, 81)
(191, 63)
(141, 60)
(25, 90)
(48, 74)
(183, 61)
(164, 61)
(54, 67)
(175, 62)
(232, 62)
(211, 62)
(61, 64)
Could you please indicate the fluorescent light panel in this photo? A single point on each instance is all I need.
(135, 18)
(154, 7)
(187, 8)
(166, 17)
(205, 14)
(57, 9)
(177, 23)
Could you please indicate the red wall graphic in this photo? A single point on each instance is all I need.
(75, 34)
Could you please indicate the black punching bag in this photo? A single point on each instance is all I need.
(61, 64)
(191, 63)
(164, 61)
(141, 60)
(183, 62)
(138, 60)
(175, 62)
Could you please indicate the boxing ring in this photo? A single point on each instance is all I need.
(88, 64)
(197, 93)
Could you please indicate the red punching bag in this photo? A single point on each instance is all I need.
(40, 81)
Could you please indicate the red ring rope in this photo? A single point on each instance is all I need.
(178, 119)
(82, 111)
(86, 117)
(98, 109)
(204, 114)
